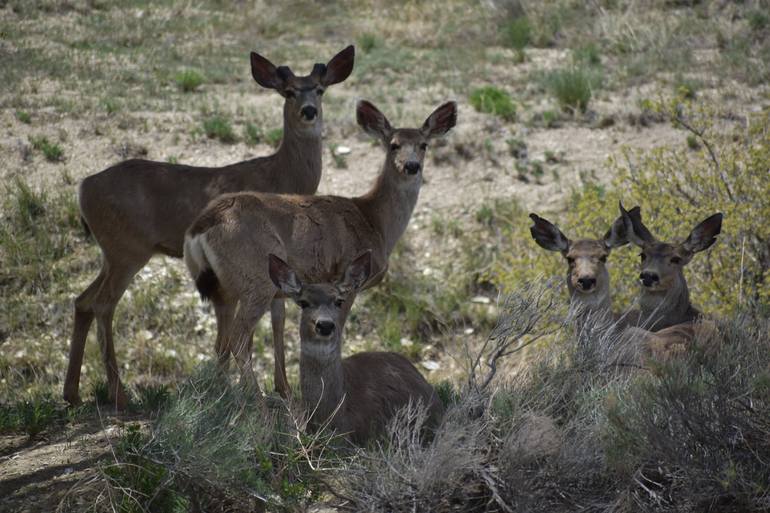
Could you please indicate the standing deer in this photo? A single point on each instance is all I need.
(139, 208)
(664, 300)
(357, 395)
(588, 281)
(227, 247)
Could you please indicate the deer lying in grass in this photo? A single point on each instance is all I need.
(667, 322)
(664, 299)
(139, 208)
(588, 281)
(227, 247)
(357, 395)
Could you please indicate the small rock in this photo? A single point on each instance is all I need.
(481, 300)
(406, 342)
(468, 331)
(342, 150)
(430, 365)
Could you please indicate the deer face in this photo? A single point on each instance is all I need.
(324, 305)
(662, 263)
(302, 107)
(587, 274)
(406, 146)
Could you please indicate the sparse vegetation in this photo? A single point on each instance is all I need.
(572, 87)
(23, 116)
(252, 134)
(491, 100)
(52, 151)
(188, 80)
(218, 127)
(274, 136)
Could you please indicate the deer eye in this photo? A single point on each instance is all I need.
(303, 304)
(339, 302)
(319, 91)
(289, 93)
(603, 259)
(570, 260)
(676, 260)
(424, 146)
(394, 146)
(642, 256)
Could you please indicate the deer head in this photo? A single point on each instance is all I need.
(302, 108)
(406, 147)
(587, 277)
(324, 304)
(662, 263)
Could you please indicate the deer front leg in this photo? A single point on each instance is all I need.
(278, 320)
(246, 317)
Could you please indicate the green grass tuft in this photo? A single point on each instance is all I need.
(52, 151)
(188, 80)
(368, 42)
(218, 127)
(23, 116)
(492, 100)
(252, 134)
(572, 87)
(274, 137)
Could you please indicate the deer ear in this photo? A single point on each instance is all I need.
(547, 235)
(357, 272)
(635, 229)
(441, 121)
(704, 235)
(283, 276)
(264, 72)
(373, 121)
(617, 235)
(339, 67)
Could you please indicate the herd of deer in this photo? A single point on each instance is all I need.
(254, 233)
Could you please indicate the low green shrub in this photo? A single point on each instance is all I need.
(188, 80)
(572, 87)
(491, 100)
(218, 127)
(52, 151)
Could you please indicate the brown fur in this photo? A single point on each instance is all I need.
(358, 395)
(315, 234)
(139, 208)
(586, 259)
(664, 298)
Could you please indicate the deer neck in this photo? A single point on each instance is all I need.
(321, 380)
(388, 206)
(295, 167)
(596, 306)
(665, 308)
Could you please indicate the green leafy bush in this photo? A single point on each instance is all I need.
(491, 100)
(676, 187)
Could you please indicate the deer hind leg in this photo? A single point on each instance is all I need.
(247, 315)
(278, 320)
(224, 311)
(113, 286)
(84, 316)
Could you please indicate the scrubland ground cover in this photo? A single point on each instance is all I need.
(565, 108)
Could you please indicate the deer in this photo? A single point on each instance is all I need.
(358, 395)
(588, 281)
(228, 246)
(667, 322)
(139, 208)
(664, 298)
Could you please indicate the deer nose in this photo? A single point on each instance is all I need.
(324, 328)
(649, 279)
(309, 112)
(412, 167)
(586, 283)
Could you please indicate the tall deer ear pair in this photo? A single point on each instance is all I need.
(354, 277)
(548, 236)
(377, 125)
(702, 237)
(336, 70)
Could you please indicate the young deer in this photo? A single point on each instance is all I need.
(139, 208)
(664, 300)
(588, 281)
(227, 247)
(357, 395)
